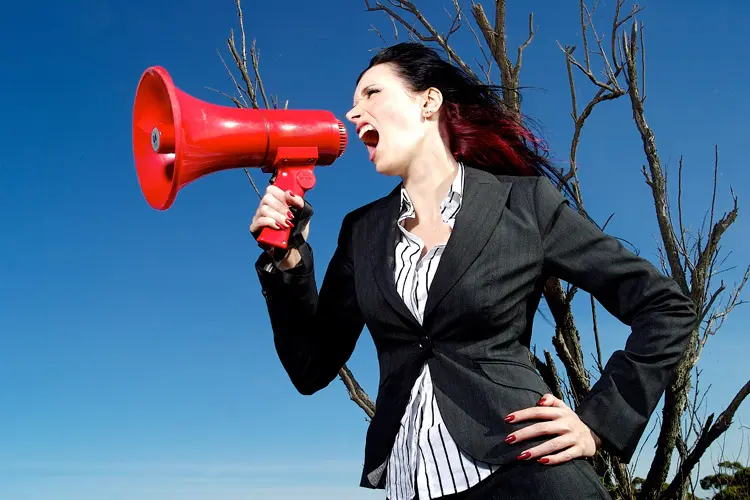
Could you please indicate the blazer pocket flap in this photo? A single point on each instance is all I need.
(514, 374)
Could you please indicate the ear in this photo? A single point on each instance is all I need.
(433, 99)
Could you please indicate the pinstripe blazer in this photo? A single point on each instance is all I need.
(511, 235)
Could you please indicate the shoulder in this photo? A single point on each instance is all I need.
(520, 183)
(528, 192)
(535, 198)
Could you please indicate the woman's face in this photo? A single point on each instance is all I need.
(389, 119)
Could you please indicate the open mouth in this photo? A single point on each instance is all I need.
(370, 137)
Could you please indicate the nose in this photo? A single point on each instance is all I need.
(353, 114)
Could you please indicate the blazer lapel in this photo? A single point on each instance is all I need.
(384, 231)
(483, 202)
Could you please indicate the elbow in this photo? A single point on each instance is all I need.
(682, 321)
(668, 321)
(303, 373)
(687, 317)
(306, 386)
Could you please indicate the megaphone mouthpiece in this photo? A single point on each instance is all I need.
(178, 138)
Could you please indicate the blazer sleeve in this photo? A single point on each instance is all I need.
(314, 332)
(661, 318)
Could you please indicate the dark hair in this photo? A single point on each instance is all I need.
(483, 132)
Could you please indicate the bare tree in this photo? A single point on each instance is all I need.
(614, 67)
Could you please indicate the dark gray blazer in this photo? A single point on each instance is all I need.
(511, 234)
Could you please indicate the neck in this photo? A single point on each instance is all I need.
(428, 180)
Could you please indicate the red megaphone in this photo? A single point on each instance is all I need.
(178, 138)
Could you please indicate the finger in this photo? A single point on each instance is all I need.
(547, 448)
(276, 201)
(536, 412)
(282, 219)
(551, 400)
(565, 455)
(276, 192)
(261, 222)
(537, 430)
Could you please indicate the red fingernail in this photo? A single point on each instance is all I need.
(290, 223)
(510, 418)
(289, 214)
(541, 402)
(524, 455)
(510, 439)
(543, 460)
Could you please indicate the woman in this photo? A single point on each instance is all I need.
(446, 272)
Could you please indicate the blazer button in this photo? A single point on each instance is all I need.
(425, 342)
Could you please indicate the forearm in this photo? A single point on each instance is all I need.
(621, 402)
(314, 332)
(291, 295)
(662, 320)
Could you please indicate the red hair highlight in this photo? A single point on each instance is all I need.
(481, 138)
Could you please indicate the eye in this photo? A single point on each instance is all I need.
(371, 91)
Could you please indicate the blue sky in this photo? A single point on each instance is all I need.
(137, 360)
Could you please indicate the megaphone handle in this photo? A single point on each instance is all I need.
(298, 180)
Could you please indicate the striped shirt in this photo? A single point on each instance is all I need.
(425, 459)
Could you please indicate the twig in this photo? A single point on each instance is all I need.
(433, 36)
(356, 393)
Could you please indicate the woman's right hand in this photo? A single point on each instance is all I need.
(274, 211)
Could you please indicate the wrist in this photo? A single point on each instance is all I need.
(290, 260)
(597, 440)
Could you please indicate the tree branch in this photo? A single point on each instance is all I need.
(356, 393)
(711, 432)
(548, 371)
(496, 39)
(657, 182)
(433, 36)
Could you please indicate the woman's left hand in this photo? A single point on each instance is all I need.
(573, 438)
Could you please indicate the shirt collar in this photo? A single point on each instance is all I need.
(450, 205)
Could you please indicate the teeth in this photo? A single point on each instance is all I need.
(365, 129)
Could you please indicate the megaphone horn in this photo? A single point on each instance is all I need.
(178, 138)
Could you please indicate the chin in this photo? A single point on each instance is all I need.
(389, 168)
